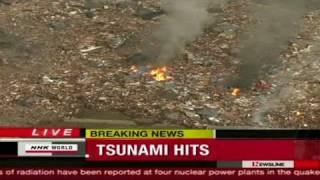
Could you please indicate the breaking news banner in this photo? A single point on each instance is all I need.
(80, 153)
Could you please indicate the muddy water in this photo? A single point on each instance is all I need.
(13, 47)
(103, 115)
(106, 118)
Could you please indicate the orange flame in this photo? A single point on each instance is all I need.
(236, 92)
(160, 74)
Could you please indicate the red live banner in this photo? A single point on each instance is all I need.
(39, 132)
(190, 150)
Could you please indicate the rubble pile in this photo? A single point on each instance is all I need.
(69, 62)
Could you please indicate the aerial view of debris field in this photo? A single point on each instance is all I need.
(160, 63)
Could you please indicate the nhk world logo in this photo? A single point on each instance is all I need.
(46, 149)
(51, 148)
(268, 164)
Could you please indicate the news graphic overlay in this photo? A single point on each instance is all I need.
(53, 148)
(39, 132)
(148, 145)
(160, 152)
(41, 142)
(198, 145)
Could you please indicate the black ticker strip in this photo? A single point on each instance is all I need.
(8, 148)
(83, 132)
(81, 162)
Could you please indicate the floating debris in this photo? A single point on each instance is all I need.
(91, 48)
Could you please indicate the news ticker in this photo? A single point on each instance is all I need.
(214, 148)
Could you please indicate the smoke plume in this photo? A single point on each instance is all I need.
(272, 37)
(276, 23)
(184, 22)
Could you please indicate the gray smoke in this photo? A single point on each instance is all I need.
(272, 102)
(276, 23)
(285, 21)
(183, 23)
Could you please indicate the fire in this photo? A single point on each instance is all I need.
(236, 92)
(160, 74)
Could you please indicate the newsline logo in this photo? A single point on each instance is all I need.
(268, 164)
